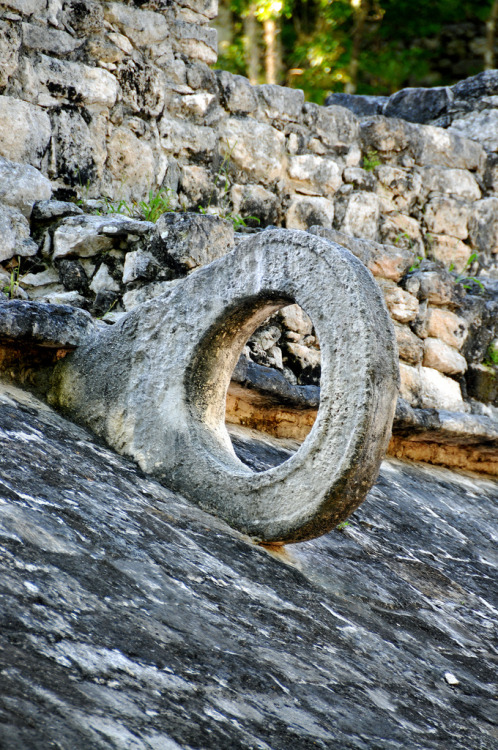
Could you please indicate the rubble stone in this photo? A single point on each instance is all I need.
(238, 96)
(410, 347)
(443, 357)
(305, 211)
(21, 185)
(80, 235)
(402, 305)
(314, 174)
(456, 183)
(447, 216)
(449, 251)
(440, 392)
(256, 148)
(361, 216)
(185, 241)
(447, 326)
(28, 141)
(255, 200)
(14, 234)
(483, 225)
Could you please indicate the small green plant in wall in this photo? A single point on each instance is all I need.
(10, 288)
(371, 160)
(463, 278)
(491, 359)
(156, 204)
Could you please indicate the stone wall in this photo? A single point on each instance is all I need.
(115, 99)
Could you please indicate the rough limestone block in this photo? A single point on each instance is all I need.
(10, 41)
(336, 127)
(402, 305)
(27, 7)
(410, 347)
(196, 41)
(53, 81)
(131, 164)
(14, 234)
(440, 392)
(449, 251)
(295, 319)
(256, 148)
(142, 27)
(208, 8)
(448, 216)
(435, 146)
(25, 131)
(184, 241)
(398, 189)
(56, 326)
(255, 200)
(186, 139)
(361, 217)
(79, 148)
(387, 261)
(482, 383)
(305, 211)
(361, 104)
(483, 225)
(139, 265)
(103, 281)
(419, 105)
(314, 174)
(142, 86)
(154, 384)
(402, 231)
(47, 39)
(436, 286)
(385, 135)
(281, 103)
(237, 94)
(447, 326)
(84, 236)
(443, 357)
(21, 185)
(196, 187)
(457, 183)
(478, 126)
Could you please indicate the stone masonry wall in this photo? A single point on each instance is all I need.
(118, 99)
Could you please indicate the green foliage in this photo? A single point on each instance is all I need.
(371, 160)
(416, 264)
(468, 282)
(394, 42)
(156, 205)
(343, 525)
(10, 289)
(147, 210)
(492, 355)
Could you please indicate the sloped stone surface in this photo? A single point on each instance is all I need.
(132, 619)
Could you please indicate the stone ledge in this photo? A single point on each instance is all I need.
(262, 399)
(43, 324)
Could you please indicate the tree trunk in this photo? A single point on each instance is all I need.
(251, 47)
(360, 12)
(489, 50)
(272, 59)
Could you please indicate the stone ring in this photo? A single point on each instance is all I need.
(154, 384)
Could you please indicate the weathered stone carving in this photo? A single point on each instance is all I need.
(154, 384)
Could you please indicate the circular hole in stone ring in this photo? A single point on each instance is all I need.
(333, 470)
(274, 392)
